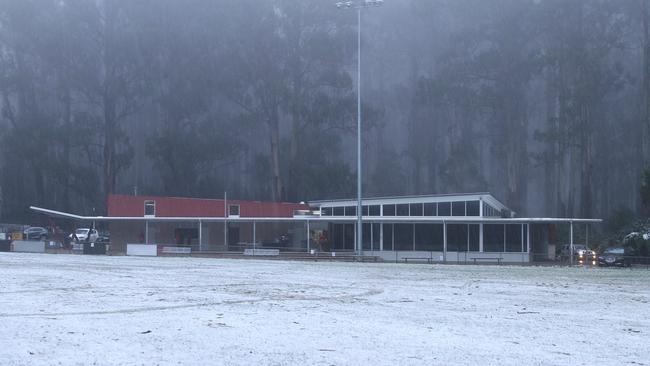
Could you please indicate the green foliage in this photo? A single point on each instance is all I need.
(620, 219)
(639, 245)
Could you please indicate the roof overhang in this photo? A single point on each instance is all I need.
(385, 219)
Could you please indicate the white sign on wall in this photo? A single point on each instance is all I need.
(147, 250)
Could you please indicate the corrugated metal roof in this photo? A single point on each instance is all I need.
(133, 206)
(404, 197)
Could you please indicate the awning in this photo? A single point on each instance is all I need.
(301, 218)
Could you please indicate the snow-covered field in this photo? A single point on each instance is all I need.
(66, 309)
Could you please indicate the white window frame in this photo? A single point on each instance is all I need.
(238, 210)
(153, 204)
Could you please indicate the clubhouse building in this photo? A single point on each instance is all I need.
(443, 228)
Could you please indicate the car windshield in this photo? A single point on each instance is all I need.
(81, 231)
(614, 251)
(578, 247)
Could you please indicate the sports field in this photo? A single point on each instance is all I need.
(67, 309)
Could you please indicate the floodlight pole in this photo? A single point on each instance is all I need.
(359, 205)
(358, 7)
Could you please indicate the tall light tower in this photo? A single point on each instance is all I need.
(359, 5)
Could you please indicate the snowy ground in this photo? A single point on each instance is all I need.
(66, 309)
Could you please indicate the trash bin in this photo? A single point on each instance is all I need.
(5, 245)
(94, 248)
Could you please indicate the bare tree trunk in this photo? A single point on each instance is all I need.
(646, 83)
(109, 148)
(550, 154)
(292, 183)
(563, 170)
(67, 120)
(586, 164)
(274, 126)
(108, 101)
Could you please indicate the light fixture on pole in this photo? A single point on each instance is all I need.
(359, 5)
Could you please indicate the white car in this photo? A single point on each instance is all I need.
(82, 235)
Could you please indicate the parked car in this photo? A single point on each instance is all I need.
(580, 252)
(35, 233)
(586, 255)
(616, 256)
(81, 235)
(103, 239)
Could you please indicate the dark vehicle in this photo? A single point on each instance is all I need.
(35, 233)
(615, 256)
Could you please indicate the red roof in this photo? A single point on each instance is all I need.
(133, 206)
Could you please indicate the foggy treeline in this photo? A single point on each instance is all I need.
(544, 103)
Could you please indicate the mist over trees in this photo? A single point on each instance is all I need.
(544, 103)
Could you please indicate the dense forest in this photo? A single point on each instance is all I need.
(544, 103)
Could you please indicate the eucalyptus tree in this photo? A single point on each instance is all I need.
(579, 40)
(290, 73)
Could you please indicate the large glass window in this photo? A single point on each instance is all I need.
(388, 236)
(444, 209)
(474, 233)
(438, 237)
(458, 208)
(350, 210)
(457, 237)
(416, 209)
(364, 210)
(493, 237)
(513, 238)
(339, 211)
(389, 210)
(403, 209)
(425, 237)
(490, 211)
(376, 236)
(403, 236)
(367, 239)
(375, 210)
(430, 209)
(336, 238)
(349, 237)
(326, 211)
(473, 208)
